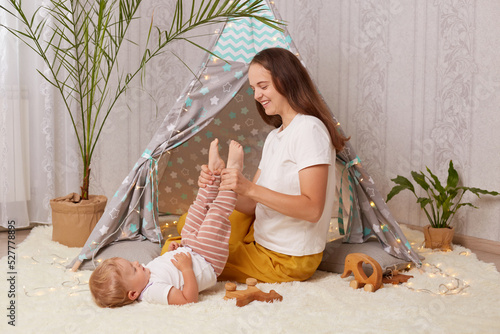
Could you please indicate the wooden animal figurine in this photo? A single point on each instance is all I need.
(396, 278)
(354, 264)
(244, 297)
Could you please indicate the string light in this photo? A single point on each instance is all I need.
(454, 287)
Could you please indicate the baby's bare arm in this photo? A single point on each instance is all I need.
(189, 293)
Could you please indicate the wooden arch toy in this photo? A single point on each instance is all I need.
(354, 264)
(244, 297)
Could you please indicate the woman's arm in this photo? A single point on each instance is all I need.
(308, 205)
(245, 204)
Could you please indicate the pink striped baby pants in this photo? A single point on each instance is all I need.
(207, 227)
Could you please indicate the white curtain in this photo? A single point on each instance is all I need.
(35, 139)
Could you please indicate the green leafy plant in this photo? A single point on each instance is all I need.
(443, 200)
(80, 41)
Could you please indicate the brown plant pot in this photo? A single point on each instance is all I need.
(439, 238)
(72, 222)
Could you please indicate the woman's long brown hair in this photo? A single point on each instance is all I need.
(291, 79)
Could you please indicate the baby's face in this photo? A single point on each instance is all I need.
(135, 275)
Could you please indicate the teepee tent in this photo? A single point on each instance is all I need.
(219, 103)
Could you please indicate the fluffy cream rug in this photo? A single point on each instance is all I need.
(452, 293)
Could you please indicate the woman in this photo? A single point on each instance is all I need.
(292, 192)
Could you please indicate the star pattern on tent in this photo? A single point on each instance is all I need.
(250, 91)
(190, 182)
(254, 132)
(189, 101)
(227, 67)
(370, 192)
(204, 151)
(114, 213)
(227, 87)
(204, 90)
(249, 122)
(209, 134)
(214, 100)
(144, 222)
(385, 212)
(236, 127)
(238, 75)
(239, 98)
(149, 206)
(185, 171)
(347, 151)
(232, 115)
(180, 161)
(173, 175)
(133, 228)
(168, 189)
(244, 110)
(217, 121)
(116, 193)
(103, 230)
(171, 127)
(241, 138)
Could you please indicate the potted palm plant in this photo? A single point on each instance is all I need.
(79, 42)
(440, 203)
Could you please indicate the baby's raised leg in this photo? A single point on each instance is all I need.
(212, 240)
(198, 210)
(215, 163)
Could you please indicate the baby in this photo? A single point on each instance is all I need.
(179, 275)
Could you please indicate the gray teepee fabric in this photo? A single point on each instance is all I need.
(221, 87)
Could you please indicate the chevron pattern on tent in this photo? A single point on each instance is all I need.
(242, 39)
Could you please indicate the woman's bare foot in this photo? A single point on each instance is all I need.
(215, 163)
(235, 156)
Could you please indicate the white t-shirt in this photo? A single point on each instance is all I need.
(164, 276)
(305, 142)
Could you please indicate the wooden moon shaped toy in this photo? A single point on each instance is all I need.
(244, 297)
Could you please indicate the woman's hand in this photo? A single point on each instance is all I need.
(206, 177)
(233, 179)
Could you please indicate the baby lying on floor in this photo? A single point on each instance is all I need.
(179, 275)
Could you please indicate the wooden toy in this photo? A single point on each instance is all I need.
(354, 264)
(244, 297)
(396, 278)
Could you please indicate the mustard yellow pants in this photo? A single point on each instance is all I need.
(249, 259)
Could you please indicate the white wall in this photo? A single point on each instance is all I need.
(415, 83)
